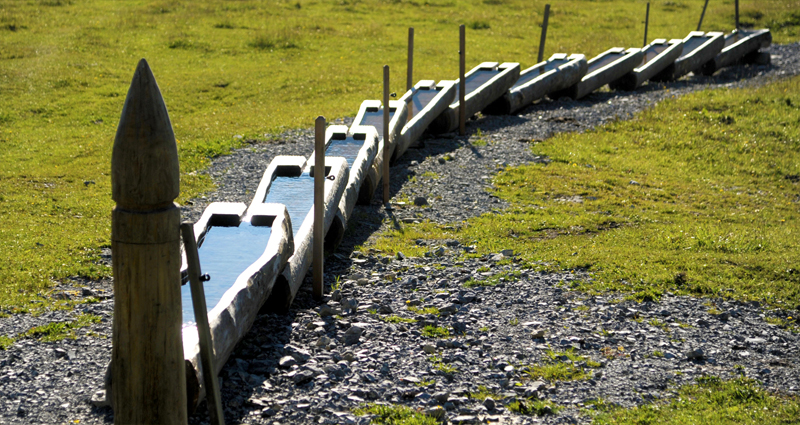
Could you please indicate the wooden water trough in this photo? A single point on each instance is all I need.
(289, 180)
(738, 45)
(243, 251)
(603, 69)
(557, 73)
(359, 149)
(371, 114)
(658, 55)
(698, 48)
(484, 84)
(426, 101)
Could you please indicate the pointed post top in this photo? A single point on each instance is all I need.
(145, 172)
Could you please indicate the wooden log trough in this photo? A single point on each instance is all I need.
(288, 180)
(484, 84)
(426, 101)
(603, 69)
(557, 73)
(371, 114)
(658, 55)
(698, 48)
(243, 251)
(738, 45)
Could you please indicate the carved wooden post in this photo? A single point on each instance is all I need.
(148, 373)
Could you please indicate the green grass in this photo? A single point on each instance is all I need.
(394, 415)
(423, 310)
(561, 366)
(54, 331)
(714, 210)
(713, 402)
(249, 68)
(483, 393)
(435, 332)
(396, 319)
(441, 366)
(533, 407)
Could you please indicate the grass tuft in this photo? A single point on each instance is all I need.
(394, 415)
(711, 401)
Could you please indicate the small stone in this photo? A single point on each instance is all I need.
(696, 354)
(437, 412)
(507, 252)
(302, 377)
(429, 349)
(634, 182)
(755, 340)
(489, 403)
(323, 341)
(352, 335)
(420, 201)
(350, 304)
(287, 362)
(538, 333)
(400, 256)
(327, 310)
(349, 356)
(385, 309)
(99, 399)
(465, 419)
(336, 295)
(441, 396)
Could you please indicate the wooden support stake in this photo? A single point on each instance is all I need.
(196, 279)
(462, 83)
(386, 141)
(699, 24)
(148, 373)
(646, 24)
(319, 206)
(410, 68)
(544, 33)
(737, 14)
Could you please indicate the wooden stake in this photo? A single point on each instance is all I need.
(148, 371)
(737, 14)
(646, 23)
(699, 24)
(319, 206)
(462, 84)
(544, 33)
(410, 68)
(386, 141)
(196, 279)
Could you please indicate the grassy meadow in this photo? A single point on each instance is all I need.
(239, 67)
(698, 196)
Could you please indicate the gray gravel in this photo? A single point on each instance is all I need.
(336, 364)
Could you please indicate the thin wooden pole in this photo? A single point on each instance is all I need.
(544, 33)
(319, 206)
(148, 374)
(462, 84)
(646, 24)
(737, 14)
(196, 279)
(699, 24)
(410, 68)
(386, 141)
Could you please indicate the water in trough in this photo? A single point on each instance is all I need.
(297, 193)
(374, 117)
(547, 67)
(347, 148)
(225, 252)
(474, 81)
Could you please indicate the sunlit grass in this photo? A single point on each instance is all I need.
(696, 196)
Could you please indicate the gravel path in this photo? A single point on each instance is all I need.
(305, 368)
